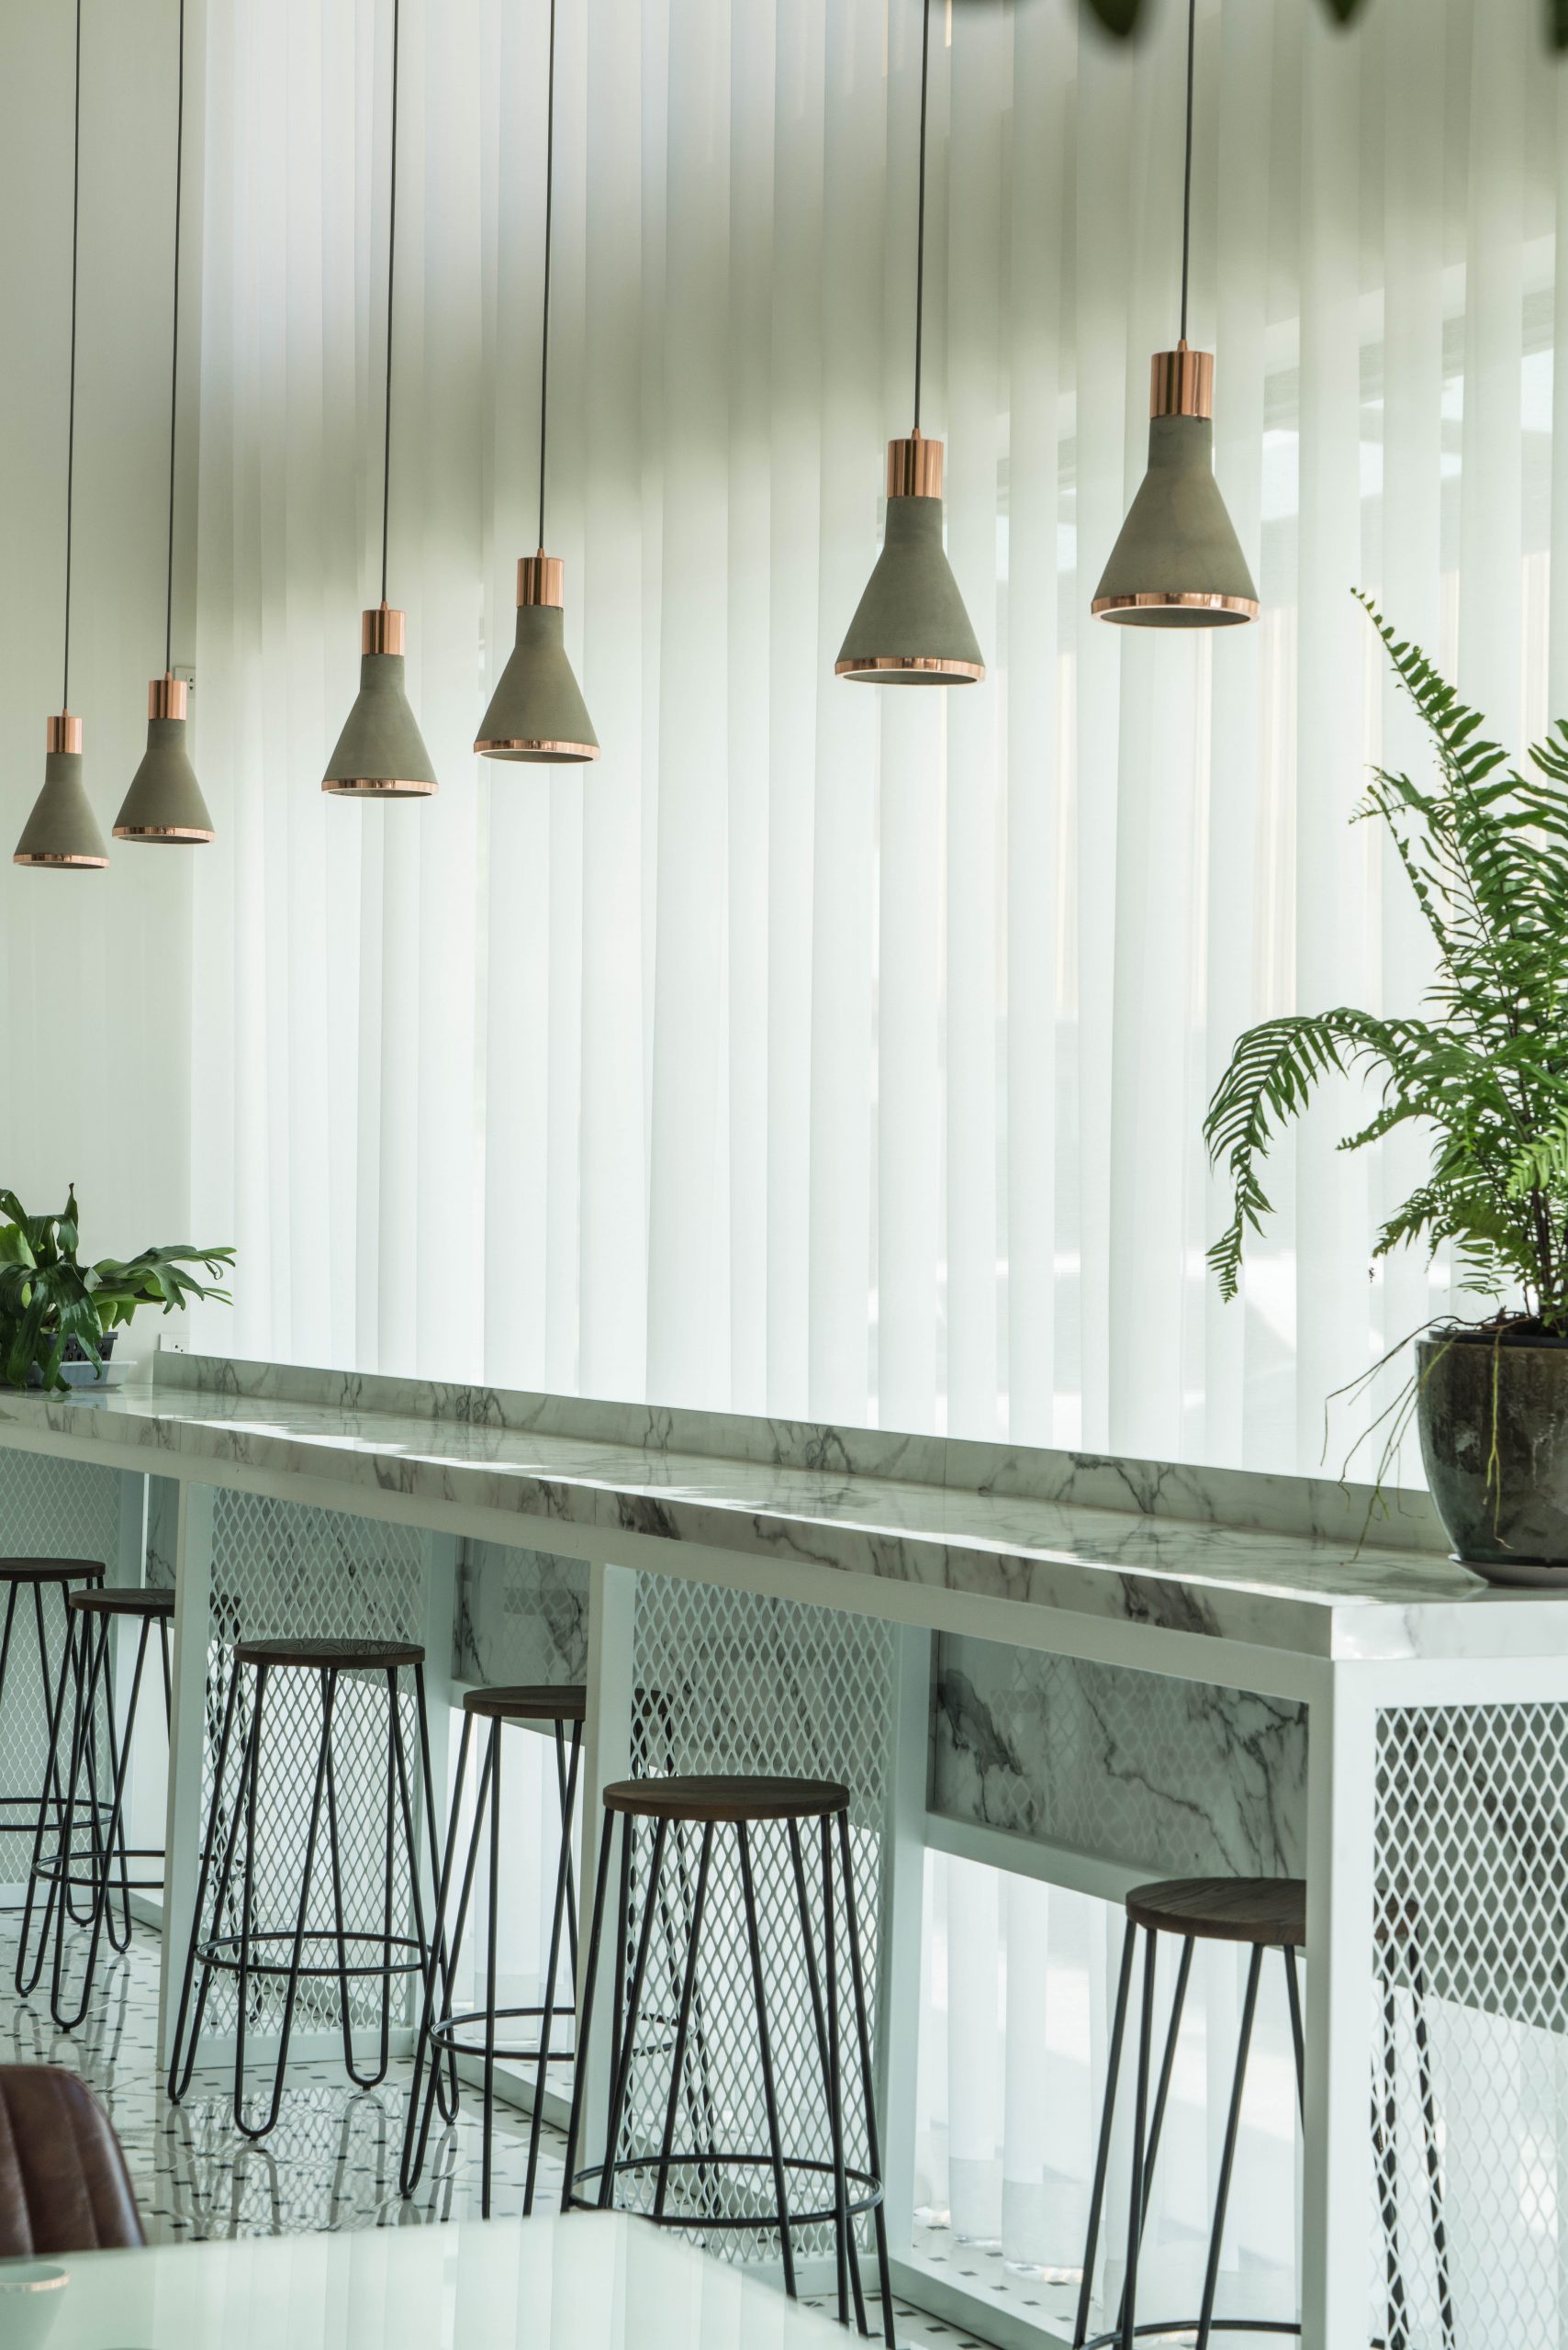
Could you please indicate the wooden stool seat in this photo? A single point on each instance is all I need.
(703, 1799)
(49, 1569)
(121, 1603)
(332, 1656)
(1269, 1911)
(532, 1702)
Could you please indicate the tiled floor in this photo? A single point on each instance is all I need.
(331, 2163)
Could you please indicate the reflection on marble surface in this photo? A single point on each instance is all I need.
(1320, 1596)
(162, 1531)
(1172, 1776)
(522, 1615)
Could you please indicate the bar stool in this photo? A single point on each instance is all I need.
(746, 1805)
(107, 1863)
(233, 1942)
(1255, 1913)
(38, 1577)
(442, 2036)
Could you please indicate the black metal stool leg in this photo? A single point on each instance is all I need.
(1385, 2139)
(291, 1993)
(447, 2094)
(492, 1921)
(1103, 2152)
(1298, 2042)
(621, 2086)
(1140, 2117)
(178, 2081)
(102, 1899)
(1227, 2157)
(246, 1807)
(567, 1783)
(52, 1798)
(590, 1984)
(438, 1974)
(867, 2078)
(848, 2267)
(683, 2012)
(764, 2052)
(1162, 2091)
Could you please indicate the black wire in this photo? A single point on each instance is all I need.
(70, 424)
(919, 235)
(391, 260)
(549, 211)
(174, 352)
(1187, 173)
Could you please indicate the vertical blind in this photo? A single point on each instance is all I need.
(823, 1051)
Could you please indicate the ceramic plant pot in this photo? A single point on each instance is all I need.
(1492, 1414)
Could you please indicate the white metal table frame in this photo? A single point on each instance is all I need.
(1343, 1697)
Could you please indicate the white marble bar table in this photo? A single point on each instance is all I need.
(1413, 1747)
(596, 2281)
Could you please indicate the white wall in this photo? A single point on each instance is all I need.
(95, 968)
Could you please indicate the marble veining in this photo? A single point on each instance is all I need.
(522, 1615)
(1176, 1777)
(1309, 1593)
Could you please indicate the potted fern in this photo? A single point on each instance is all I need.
(1484, 848)
(58, 1315)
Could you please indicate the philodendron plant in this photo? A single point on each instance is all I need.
(1484, 848)
(48, 1298)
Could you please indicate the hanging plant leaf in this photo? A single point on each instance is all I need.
(1343, 11)
(1120, 18)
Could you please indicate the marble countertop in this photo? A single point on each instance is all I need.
(1277, 1563)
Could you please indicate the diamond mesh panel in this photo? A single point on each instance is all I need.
(1471, 1949)
(730, 1682)
(280, 1569)
(47, 1510)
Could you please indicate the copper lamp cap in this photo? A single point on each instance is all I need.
(541, 579)
(381, 630)
(64, 733)
(168, 696)
(1182, 383)
(914, 468)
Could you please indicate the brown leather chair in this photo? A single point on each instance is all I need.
(63, 2186)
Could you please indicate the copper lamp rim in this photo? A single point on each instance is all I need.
(386, 787)
(190, 834)
(870, 667)
(82, 864)
(1244, 608)
(526, 746)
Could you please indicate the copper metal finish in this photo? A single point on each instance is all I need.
(389, 788)
(381, 631)
(1244, 607)
(167, 697)
(967, 672)
(492, 746)
(541, 579)
(64, 734)
(1182, 383)
(914, 468)
(191, 835)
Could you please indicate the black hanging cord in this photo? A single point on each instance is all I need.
(549, 209)
(1187, 173)
(391, 262)
(920, 234)
(71, 411)
(175, 352)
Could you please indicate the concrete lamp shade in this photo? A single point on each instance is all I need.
(62, 830)
(910, 627)
(1178, 561)
(164, 802)
(380, 752)
(537, 711)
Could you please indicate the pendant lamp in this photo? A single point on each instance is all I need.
(164, 802)
(62, 832)
(380, 752)
(537, 711)
(910, 627)
(1178, 562)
